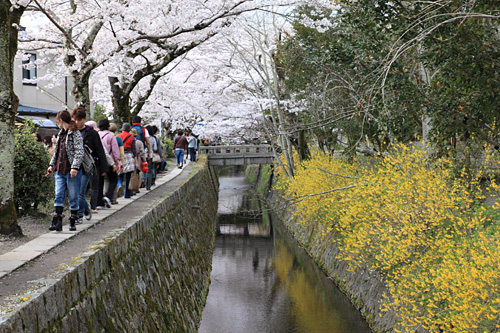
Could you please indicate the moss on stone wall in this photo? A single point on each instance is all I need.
(259, 176)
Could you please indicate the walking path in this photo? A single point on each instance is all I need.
(30, 251)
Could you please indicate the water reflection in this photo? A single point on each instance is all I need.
(258, 284)
(247, 230)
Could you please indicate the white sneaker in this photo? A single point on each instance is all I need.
(107, 202)
(88, 214)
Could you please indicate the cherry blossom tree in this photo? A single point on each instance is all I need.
(144, 34)
(69, 38)
(228, 87)
(200, 94)
(137, 38)
(257, 53)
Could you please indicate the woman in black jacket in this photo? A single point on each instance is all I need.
(92, 139)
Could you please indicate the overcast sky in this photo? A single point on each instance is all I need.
(31, 20)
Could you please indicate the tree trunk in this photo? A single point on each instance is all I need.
(8, 109)
(284, 138)
(81, 79)
(81, 90)
(303, 147)
(121, 101)
(425, 78)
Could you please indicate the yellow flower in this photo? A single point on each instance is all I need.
(408, 218)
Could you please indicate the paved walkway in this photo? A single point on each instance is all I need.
(27, 252)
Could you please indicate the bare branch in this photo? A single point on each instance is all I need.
(336, 174)
(303, 197)
(60, 28)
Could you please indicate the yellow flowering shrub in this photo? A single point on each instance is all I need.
(408, 218)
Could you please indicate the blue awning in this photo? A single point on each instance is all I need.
(22, 109)
(40, 121)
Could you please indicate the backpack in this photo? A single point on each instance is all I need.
(140, 133)
(88, 163)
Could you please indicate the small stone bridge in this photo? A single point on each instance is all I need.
(238, 155)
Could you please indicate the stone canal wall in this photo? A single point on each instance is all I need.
(150, 276)
(365, 287)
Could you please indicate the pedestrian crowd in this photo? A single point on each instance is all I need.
(124, 162)
(185, 142)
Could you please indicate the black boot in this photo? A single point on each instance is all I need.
(72, 221)
(56, 222)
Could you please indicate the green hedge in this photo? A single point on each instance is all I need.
(31, 160)
(168, 145)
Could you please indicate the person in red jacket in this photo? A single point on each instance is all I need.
(130, 164)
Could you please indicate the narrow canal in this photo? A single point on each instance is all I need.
(261, 281)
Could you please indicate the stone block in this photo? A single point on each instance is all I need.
(10, 265)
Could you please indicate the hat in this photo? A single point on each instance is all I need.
(92, 123)
(133, 131)
(113, 127)
(126, 127)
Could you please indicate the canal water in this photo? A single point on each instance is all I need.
(261, 281)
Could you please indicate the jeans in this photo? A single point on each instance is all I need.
(179, 153)
(151, 173)
(120, 180)
(162, 166)
(83, 189)
(192, 154)
(118, 184)
(127, 176)
(71, 185)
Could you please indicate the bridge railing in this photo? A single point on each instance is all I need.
(238, 155)
(237, 150)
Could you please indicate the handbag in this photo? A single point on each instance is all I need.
(156, 158)
(88, 162)
(135, 181)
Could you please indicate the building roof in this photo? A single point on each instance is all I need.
(22, 109)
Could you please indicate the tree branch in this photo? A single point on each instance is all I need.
(303, 197)
(60, 28)
(336, 174)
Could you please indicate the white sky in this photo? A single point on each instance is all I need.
(32, 20)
